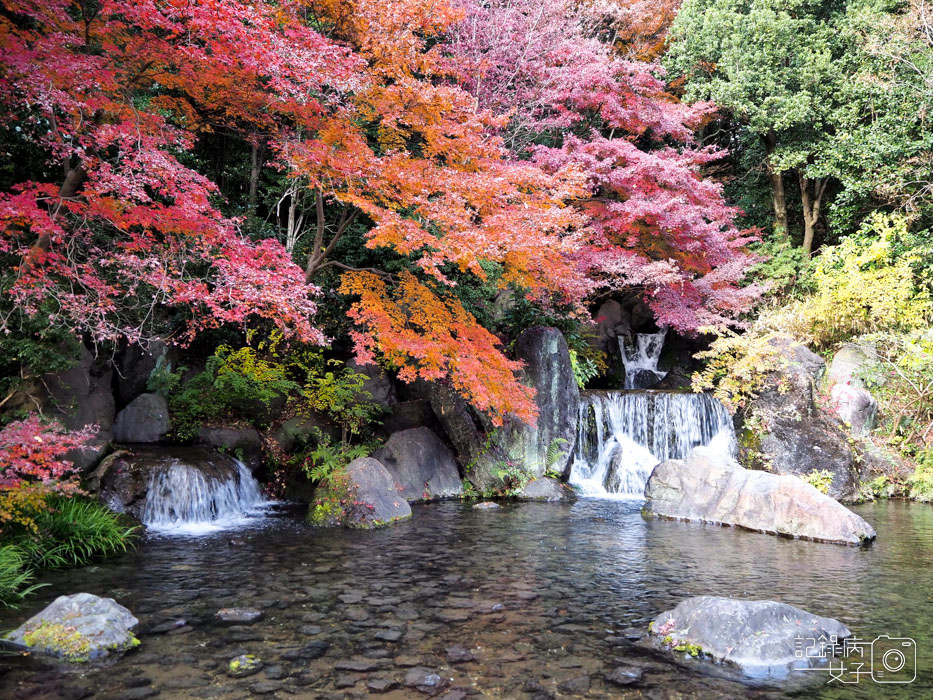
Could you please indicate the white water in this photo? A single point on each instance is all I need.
(642, 358)
(622, 436)
(185, 499)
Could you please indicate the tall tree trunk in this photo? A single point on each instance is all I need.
(811, 196)
(777, 189)
(255, 168)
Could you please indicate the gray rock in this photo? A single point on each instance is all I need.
(133, 366)
(486, 505)
(244, 665)
(406, 415)
(378, 384)
(145, 419)
(624, 675)
(848, 395)
(761, 637)
(238, 616)
(612, 320)
(369, 494)
(790, 433)
(381, 685)
(711, 487)
(245, 443)
(422, 465)
(425, 680)
(78, 628)
(547, 489)
(533, 449)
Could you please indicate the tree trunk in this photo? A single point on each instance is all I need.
(777, 189)
(255, 168)
(811, 196)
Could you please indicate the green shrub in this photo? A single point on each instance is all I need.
(72, 531)
(820, 479)
(921, 481)
(326, 458)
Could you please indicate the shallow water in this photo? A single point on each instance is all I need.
(545, 597)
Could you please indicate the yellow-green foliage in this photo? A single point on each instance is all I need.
(921, 481)
(820, 479)
(875, 279)
(737, 365)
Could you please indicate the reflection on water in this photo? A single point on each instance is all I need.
(547, 600)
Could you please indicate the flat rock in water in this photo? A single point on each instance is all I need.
(239, 616)
(486, 505)
(244, 665)
(424, 680)
(763, 638)
(548, 490)
(711, 487)
(78, 628)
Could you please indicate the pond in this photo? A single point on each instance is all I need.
(528, 601)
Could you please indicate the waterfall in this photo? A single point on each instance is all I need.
(623, 435)
(641, 361)
(200, 497)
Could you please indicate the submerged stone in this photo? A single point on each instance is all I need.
(486, 505)
(244, 665)
(760, 637)
(239, 616)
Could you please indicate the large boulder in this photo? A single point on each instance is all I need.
(378, 383)
(421, 465)
(761, 637)
(133, 366)
(530, 449)
(363, 495)
(125, 477)
(611, 321)
(849, 398)
(711, 487)
(547, 489)
(787, 432)
(78, 628)
(145, 419)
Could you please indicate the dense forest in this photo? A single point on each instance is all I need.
(280, 201)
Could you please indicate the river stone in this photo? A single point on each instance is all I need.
(791, 433)
(238, 616)
(848, 395)
(422, 465)
(425, 680)
(761, 637)
(245, 443)
(547, 489)
(244, 665)
(711, 487)
(486, 505)
(145, 419)
(364, 496)
(78, 628)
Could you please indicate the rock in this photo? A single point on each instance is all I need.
(378, 383)
(612, 320)
(532, 449)
(486, 505)
(785, 430)
(549, 443)
(238, 616)
(364, 495)
(849, 397)
(645, 379)
(295, 433)
(458, 654)
(422, 465)
(547, 489)
(761, 637)
(133, 366)
(244, 665)
(265, 687)
(381, 685)
(424, 680)
(145, 419)
(406, 415)
(78, 628)
(575, 686)
(624, 675)
(710, 487)
(125, 484)
(244, 443)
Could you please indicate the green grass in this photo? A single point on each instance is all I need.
(71, 531)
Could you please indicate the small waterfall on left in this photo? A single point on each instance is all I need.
(203, 497)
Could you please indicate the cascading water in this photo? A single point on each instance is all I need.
(641, 361)
(622, 436)
(204, 497)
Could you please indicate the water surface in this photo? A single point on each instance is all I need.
(547, 598)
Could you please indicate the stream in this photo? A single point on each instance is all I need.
(528, 601)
